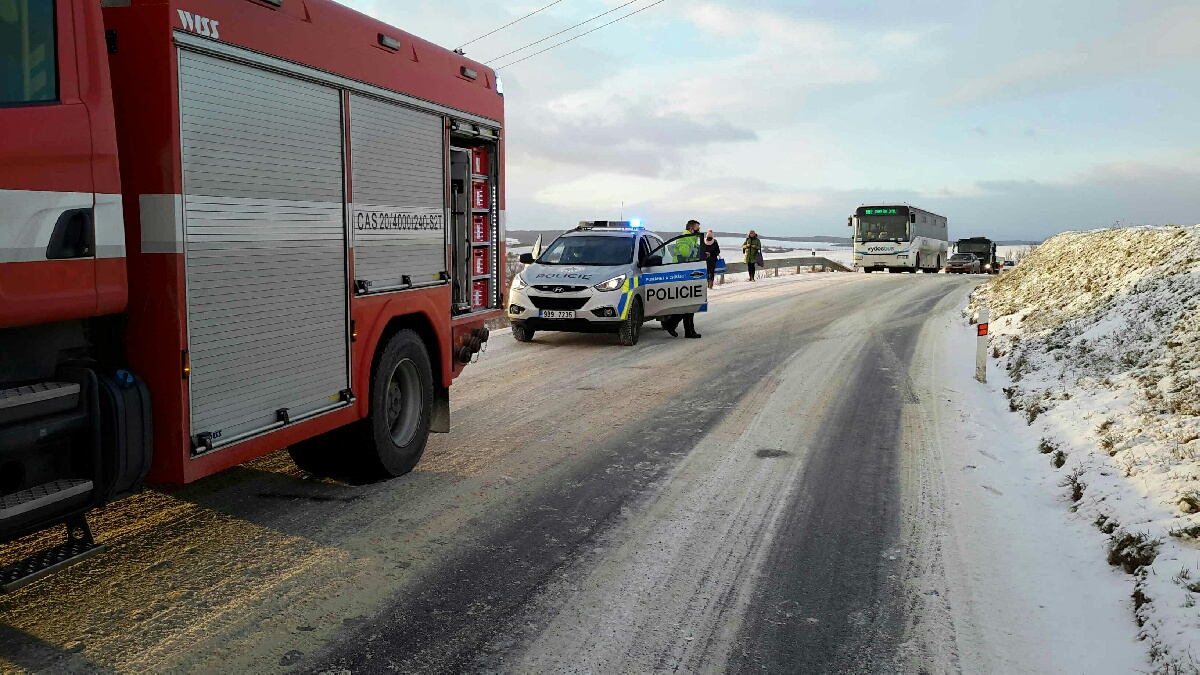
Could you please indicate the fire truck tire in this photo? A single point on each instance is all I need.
(631, 327)
(521, 333)
(321, 456)
(391, 440)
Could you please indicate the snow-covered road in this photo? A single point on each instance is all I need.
(817, 485)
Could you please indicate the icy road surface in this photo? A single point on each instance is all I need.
(815, 486)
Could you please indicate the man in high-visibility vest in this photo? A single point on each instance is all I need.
(686, 248)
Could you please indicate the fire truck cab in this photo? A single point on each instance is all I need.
(228, 227)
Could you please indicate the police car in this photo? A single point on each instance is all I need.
(607, 277)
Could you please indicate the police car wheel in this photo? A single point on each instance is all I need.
(522, 333)
(631, 327)
(392, 439)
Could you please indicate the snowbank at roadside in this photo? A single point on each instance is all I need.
(1098, 338)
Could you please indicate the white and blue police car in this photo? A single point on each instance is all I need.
(607, 277)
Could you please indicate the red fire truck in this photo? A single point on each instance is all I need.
(229, 227)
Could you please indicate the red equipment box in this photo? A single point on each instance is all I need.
(479, 161)
(481, 262)
(479, 294)
(479, 229)
(479, 195)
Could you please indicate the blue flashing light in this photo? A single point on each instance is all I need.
(636, 223)
(499, 86)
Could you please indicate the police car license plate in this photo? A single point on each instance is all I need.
(557, 314)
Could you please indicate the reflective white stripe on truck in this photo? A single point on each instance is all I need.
(27, 219)
(162, 223)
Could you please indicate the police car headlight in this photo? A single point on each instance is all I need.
(612, 284)
(519, 283)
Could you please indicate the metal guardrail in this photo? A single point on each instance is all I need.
(780, 263)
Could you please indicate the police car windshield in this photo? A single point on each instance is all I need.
(589, 250)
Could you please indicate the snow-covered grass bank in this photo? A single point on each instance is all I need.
(1097, 335)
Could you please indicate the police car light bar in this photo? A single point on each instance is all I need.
(617, 224)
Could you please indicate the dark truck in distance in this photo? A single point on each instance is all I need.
(984, 250)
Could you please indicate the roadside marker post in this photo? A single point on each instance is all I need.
(981, 345)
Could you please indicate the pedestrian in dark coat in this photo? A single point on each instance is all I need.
(712, 251)
(752, 252)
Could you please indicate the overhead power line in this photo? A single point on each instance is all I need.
(561, 31)
(510, 23)
(559, 44)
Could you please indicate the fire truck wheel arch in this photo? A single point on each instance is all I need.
(366, 449)
(393, 437)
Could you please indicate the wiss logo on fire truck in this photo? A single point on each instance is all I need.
(200, 25)
(201, 256)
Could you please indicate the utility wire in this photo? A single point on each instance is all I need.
(510, 23)
(561, 31)
(580, 35)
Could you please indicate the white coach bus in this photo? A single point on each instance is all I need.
(899, 239)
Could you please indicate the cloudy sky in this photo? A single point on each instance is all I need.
(1013, 118)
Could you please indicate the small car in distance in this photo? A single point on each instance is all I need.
(1008, 265)
(962, 263)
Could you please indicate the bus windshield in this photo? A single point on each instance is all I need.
(883, 228)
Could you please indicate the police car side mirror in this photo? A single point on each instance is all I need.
(526, 258)
(654, 261)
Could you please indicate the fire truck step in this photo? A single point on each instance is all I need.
(79, 546)
(15, 504)
(37, 400)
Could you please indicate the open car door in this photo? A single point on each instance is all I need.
(676, 278)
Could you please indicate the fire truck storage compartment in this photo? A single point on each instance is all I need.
(480, 261)
(475, 232)
(481, 231)
(461, 228)
(479, 195)
(479, 294)
(479, 161)
(265, 247)
(399, 209)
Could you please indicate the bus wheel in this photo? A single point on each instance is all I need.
(392, 439)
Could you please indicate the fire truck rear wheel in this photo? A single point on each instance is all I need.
(392, 439)
(521, 333)
(321, 455)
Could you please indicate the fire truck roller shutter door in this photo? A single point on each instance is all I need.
(264, 239)
(398, 216)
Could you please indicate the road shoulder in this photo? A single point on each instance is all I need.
(1007, 579)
